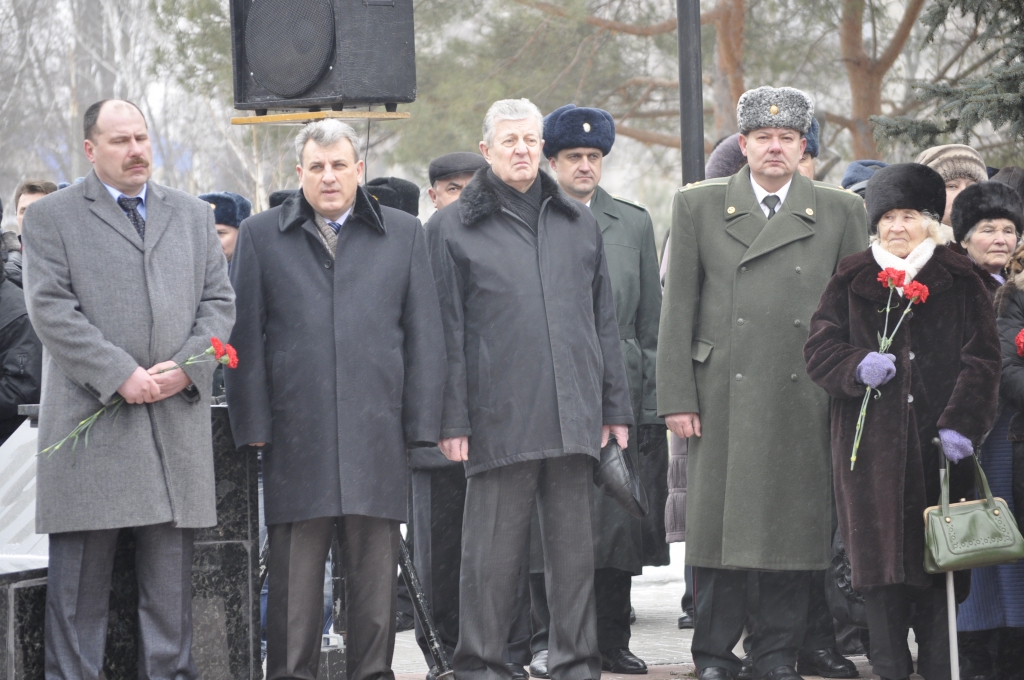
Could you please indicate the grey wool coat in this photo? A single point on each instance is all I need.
(104, 302)
(739, 294)
(518, 307)
(342, 359)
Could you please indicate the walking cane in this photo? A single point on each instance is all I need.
(419, 602)
(954, 651)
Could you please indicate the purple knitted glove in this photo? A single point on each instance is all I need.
(876, 369)
(955, 446)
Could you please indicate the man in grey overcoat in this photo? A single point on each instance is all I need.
(576, 141)
(124, 278)
(342, 365)
(750, 256)
(536, 386)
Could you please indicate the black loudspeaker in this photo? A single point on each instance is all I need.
(318, 54)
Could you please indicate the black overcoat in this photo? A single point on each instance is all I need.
(341, 360)
(947, 376)
(518, 307)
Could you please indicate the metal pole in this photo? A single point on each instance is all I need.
(691, 90)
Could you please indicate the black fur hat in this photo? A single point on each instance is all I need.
(228, 208)
(396, 192)
(906, 186)
(985, 201)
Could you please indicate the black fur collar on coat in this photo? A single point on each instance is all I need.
(480, 198)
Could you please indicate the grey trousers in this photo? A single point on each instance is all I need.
(496, 536)
(78, 596)
(295, 597)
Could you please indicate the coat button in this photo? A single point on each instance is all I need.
(912, 355)
(739, 376)
(744, 270)
(740, 322)
(796, 322)
(327, 264)
(793, 377)
(910, 398)
(809, 211)
(730, 210)
(798, 270)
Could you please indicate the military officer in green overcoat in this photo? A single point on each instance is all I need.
(750, 256)
(576, 140)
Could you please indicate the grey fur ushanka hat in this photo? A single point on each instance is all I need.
(770, 107)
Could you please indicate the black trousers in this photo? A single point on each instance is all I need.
(78, 597)
(891, 611)
(295, 599)
(611, 595)
(687, 601)
(496, 536)
(438, 505)
(778, 612)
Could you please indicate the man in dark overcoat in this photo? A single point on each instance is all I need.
(124, 278)
(340, 341)
(576, 140)
(439, 491)
(536, 385)
(750, 257)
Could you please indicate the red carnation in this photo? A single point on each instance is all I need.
(891, 278)
(232, 357)
(1019, 341)
(916, 292)
(218, 348)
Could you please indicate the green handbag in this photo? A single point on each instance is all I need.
(970, 534)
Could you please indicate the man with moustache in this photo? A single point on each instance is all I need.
(124, 280)
(449, 174)
(750, 256)
(535, 388)
(576, 141)
(342, 362)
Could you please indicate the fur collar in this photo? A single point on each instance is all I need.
(910, 265)
(480, 199)
(296, 210)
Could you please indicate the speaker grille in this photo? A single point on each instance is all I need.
(289, 43)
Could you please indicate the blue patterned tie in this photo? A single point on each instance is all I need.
(131, 209)
(335, 226)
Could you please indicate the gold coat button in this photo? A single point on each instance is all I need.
(948, 520)
(809, 211)
(730, 210)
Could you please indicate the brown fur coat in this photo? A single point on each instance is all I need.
(947, 376)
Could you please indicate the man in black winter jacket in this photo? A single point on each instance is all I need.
(21, 356)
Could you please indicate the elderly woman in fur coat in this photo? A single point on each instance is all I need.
(939, 379)
(987, 220)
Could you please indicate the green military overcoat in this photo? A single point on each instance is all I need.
(633, 266)
(739, 294)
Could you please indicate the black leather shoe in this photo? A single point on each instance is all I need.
(432, 673)
(781, 673)
(716, 673)
(404, 622)
(747, 669)
(828, 663)
(539, 665)
(622, 661)
(685, 621)
(517, 671)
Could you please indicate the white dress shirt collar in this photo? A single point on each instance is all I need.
(760, 193)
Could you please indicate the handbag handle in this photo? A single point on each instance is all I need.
(944, 496)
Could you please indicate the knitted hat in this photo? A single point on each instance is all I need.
(395, 192)
(904, 186)
(456, 163)
(228, 208)
(572, 127)
(985, 201)
(954, 161)
(1013, 177)
(726, 159)
(813, 135)
(769, 107)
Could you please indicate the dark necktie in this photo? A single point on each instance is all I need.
(335, 226)
(772, 202)
(131, 209)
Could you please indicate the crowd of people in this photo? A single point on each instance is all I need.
(461, 376)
